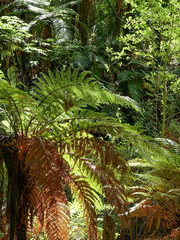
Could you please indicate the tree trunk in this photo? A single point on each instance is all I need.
(108, 228)
(22, 213)
(21, 231)
(118, 17)
(47, 33)
(17, 208)
(11, 161)
(86, 17)
(2, 180)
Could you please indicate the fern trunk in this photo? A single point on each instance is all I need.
(108, 228)
(22, 213)
(17, 206)
(2, 180)
(21, 232)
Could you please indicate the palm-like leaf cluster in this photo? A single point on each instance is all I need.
(40, 133)
(48, 143)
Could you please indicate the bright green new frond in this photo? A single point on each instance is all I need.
(78, 88)
(84, 193)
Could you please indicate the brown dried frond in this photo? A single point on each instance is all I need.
(155, 215)
(45, 170)
(46, 193)
(114, 191)
(106, 152)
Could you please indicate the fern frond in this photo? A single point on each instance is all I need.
(155, 214)
(114, 193)
(83, 191)
(106, 153)
(172, 145)
(139, 163)
(81, 90)
(37, 159)
(127, 75)
(83, 58)
(160, 205)
(15, 103)
(99, 161)
(57, 218)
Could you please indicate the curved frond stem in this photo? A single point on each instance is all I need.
(16, 110)
(11, 121)
(60, 88)
(29, 124)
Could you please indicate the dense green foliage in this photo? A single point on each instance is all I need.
(89, 119)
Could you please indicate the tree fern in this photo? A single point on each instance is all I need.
(40, 163)
(58, 122)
